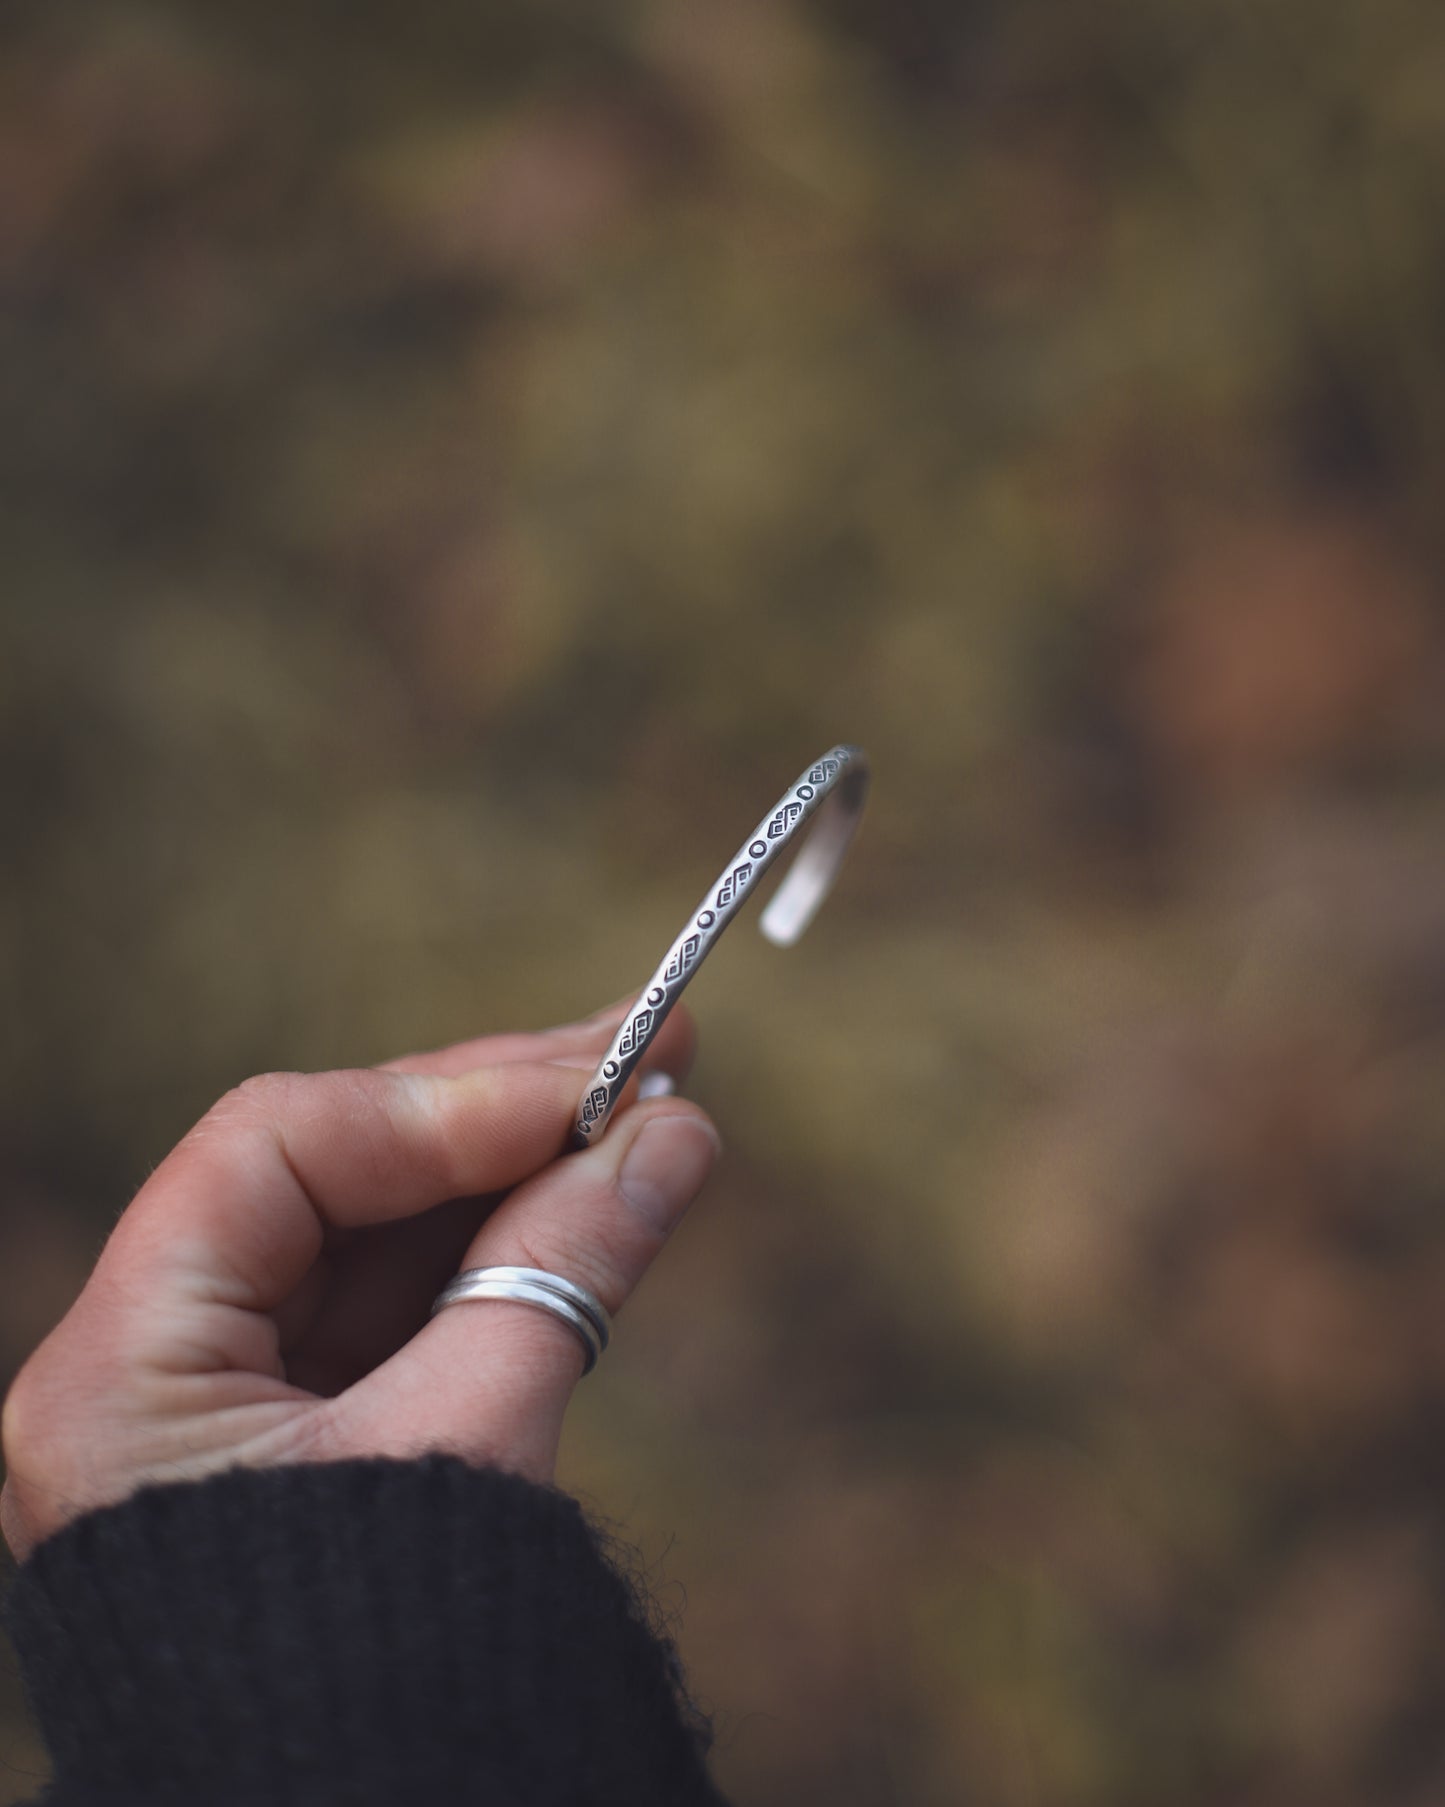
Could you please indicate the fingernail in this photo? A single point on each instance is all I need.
(586, 1063)
(665, 1167)
(656, 1085)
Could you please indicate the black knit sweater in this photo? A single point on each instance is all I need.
(359, 1633)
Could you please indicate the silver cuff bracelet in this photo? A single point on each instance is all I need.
(822, 811)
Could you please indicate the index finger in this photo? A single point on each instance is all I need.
(671, 1050)
(238, 1211)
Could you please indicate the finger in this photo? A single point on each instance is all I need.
(237, 1213)
(489, 1050)
(670, 1051)
(600, 1218)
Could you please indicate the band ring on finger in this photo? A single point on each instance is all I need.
(581, 1311)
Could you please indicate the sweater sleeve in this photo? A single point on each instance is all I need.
(358, 1632)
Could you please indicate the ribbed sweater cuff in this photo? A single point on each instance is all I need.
(350, 1633)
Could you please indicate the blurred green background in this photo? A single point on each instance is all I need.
(458, 463)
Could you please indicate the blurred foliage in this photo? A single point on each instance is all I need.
(459, 462)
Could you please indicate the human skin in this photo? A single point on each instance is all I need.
(264, 1298)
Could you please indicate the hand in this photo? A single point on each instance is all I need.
(264, 1298)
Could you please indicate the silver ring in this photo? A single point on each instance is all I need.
(586, 1302)
(832, 790)
(581, 1311)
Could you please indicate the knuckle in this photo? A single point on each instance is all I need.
(256, 1100)
(586, 1262)
(266, 1092)
(16, 1420)
(31, 1420)
(530, 1255)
